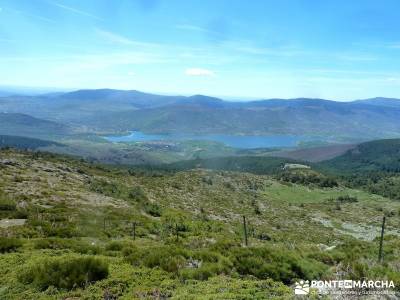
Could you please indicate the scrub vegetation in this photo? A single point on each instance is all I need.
(71, 229)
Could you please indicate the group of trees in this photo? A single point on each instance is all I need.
(307, 177)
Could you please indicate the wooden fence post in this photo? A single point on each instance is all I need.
(134, 230)
(380, 257)
(245, 231)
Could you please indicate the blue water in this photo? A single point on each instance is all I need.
(236, 141)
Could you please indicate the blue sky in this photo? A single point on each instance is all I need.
(235, 49)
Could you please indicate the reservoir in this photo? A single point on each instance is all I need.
(236, 141)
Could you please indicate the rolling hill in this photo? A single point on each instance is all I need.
(24, 125)
(71, 229)
(315, 154)
(115, 111)
(251, 164)
(375, 156)
(19, 142)
(381, 101)
(373, 166)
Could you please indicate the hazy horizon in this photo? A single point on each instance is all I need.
(36, 91)
(333, 50)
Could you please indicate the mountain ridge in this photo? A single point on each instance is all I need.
(120, 111)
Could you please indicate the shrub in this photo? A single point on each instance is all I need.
(225, 244)
(194, 265)
(207, 180)
(324, 257)
(61, 230)
(203, 273)
(207, 269)
(137, 194)
(65, 272)
(132, 255)
(104, 187)
(153, 209)
(347, 198)
(74, 245)
(7, 204)
(9, 244)
(168, 258)
(307, 178)
(114, 246)
(278, 264)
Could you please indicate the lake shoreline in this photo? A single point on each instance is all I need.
(235, 141)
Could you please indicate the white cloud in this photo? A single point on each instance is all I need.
(199, 72)
(76, 11)
(120, 39)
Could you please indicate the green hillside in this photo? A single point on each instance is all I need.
(123, 233)
(379, 155)
(25, 143)
(374, 166)
(24, 125)
(251, 164)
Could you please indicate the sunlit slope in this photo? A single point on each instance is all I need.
(189, 238)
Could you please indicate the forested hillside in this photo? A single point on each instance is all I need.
(374, 166)
(25, 143)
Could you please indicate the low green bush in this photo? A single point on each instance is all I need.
(276, 263)
(64, 272)
(137, 194)
(225, 244)
(153, 209)
(186, 264)
(168, 258)
(207, 269)
(9, 244)
(115, 246)
(71, 244)
(346, 199)
(104, 187)
(7, 204)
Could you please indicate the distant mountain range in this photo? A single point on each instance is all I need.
(116, 111)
